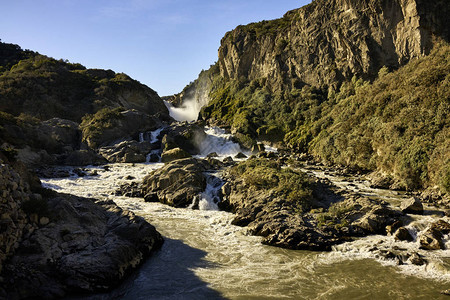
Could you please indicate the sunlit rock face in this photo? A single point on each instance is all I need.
(327, 42)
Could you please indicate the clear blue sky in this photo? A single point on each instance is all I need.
(162, 43)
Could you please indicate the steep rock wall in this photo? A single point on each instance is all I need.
(327, 42)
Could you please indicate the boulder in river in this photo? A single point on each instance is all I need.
(178, 183)
(174, 154)
(432, 238)
(412, 206)
(402, 234)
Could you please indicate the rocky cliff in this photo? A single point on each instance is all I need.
(52, 244)
(356, 83)
(327, 42)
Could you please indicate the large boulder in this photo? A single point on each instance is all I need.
(291, 210)
(82, 245)
(412, 206)
(52, 244)
(83, 158)
(186, 136)
(432, 238)
(174, 154)
(178, 183)
(108, 126)
(126, 151)
(57, 136)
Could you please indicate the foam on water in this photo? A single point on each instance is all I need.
(237, 265)
(217, 140)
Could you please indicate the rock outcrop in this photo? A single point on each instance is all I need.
(178, 183)
(53, 244)
(268, 212)
(327, 42)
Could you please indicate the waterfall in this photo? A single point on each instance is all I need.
(217, 140)
(188, 111)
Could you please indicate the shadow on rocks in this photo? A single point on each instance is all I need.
(168, 274)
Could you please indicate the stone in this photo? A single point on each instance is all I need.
(174, 154)
(240, 155)
(133, 158)
(228, 160)
(432, 238)
(416, 259)
(391, 229)
(212, 154)
(44, 221)
(151, 197)
(412, 206)
(84, 158)
(402, 234)
(154, 157)
(177, 183)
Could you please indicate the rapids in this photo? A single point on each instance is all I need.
(205, 257)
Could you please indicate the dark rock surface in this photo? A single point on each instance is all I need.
(412, 206)
(53, 244)
(174, 154)
(336, 217)
(178, 183)
(86, 246)
(186, 136)
(432, 239)
(129, 151)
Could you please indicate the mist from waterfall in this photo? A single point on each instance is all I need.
(189, 109)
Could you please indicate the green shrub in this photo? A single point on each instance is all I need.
(294, 186)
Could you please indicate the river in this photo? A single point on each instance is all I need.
(205, 257)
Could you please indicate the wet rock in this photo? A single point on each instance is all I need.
(133, 158)
(417, 259)
(151, 197)
(186, 136)
(412, 206)
(84, 158)
(432, 239)
(240, 155)
(154, 157)
(178, 183)
(90, 246)
(129, 151)
(402, 234)
(174, 154)
(132, 189)
(212, 154)
(125, 127)
(51, 172)
(391, 229)
(228, 160)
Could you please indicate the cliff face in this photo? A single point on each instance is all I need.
(327, 42)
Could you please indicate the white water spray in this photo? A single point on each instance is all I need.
(188, 111)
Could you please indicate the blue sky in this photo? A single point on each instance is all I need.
(162, 43)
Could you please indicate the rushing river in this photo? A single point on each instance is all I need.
(205, 257)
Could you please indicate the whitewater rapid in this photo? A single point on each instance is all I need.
(206, 257)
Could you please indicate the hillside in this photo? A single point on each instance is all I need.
(50, 106)
(358, 83)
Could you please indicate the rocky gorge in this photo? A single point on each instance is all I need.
(353, 95)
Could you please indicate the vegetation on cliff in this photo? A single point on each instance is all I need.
(399, 124)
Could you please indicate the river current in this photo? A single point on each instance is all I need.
(205, 257)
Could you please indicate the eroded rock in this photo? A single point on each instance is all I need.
(178, 183)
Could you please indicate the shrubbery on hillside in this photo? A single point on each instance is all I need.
(399, 124)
